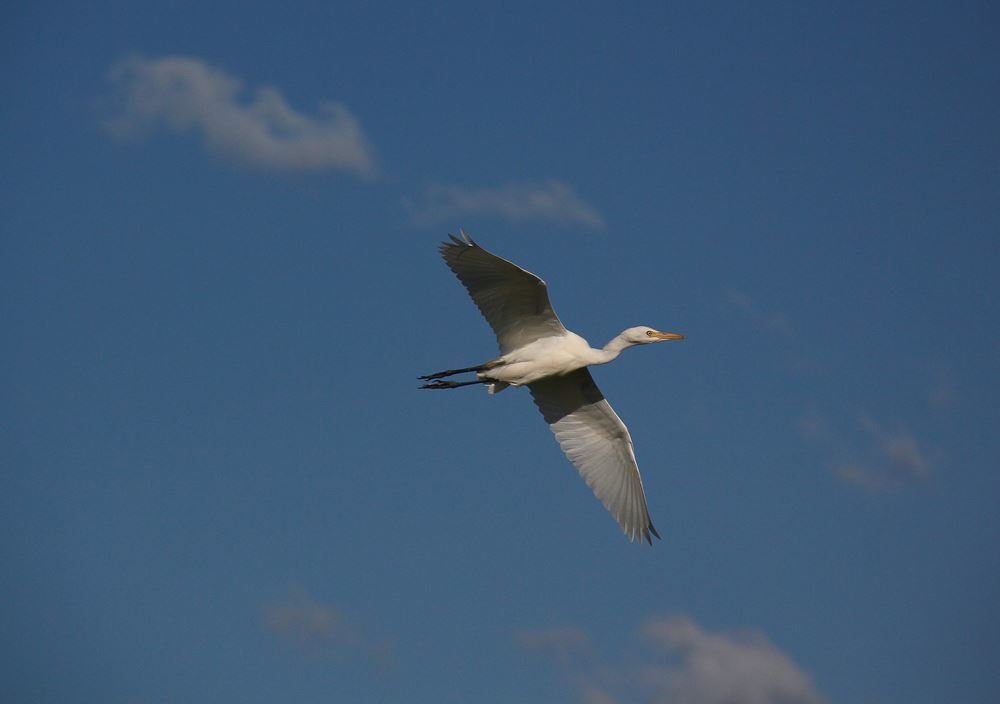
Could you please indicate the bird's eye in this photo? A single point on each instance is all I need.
(649, 333)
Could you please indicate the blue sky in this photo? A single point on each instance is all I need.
(220, 281)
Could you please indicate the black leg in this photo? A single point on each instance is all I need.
(450, 372)
(438, 384)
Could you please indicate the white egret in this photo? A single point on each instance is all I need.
(538, 352)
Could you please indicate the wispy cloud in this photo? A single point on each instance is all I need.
(680, 662)
(893, 458)
(770, 320)
(302, 622)
(551, 200)
(874, 456)
(185, 94)
(560, 642)
(813, 426)
(942, 394)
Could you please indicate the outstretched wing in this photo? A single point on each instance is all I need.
(514, 302)
(597, 442)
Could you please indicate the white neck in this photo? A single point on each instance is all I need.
(610, 350)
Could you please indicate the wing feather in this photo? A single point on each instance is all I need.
(514, 302)
(597, 442)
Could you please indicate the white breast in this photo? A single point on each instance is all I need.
(548, 356)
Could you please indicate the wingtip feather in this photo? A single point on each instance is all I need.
(465, 236)
(463, 243)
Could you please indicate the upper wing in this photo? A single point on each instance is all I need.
(597, 442)
(514, 302)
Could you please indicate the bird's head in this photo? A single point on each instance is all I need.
(643, 335)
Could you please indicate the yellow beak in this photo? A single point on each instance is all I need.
(669, 336)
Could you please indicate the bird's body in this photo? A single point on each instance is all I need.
(537, 351)
(546, 356)
(557, 355)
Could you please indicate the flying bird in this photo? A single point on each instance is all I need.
(537, 351)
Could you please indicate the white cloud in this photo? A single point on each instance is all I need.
(720, 668)
(184, 94)
(302, 622)
(551, 200)
(685, 665)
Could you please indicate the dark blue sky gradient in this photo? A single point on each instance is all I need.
(220, 482)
